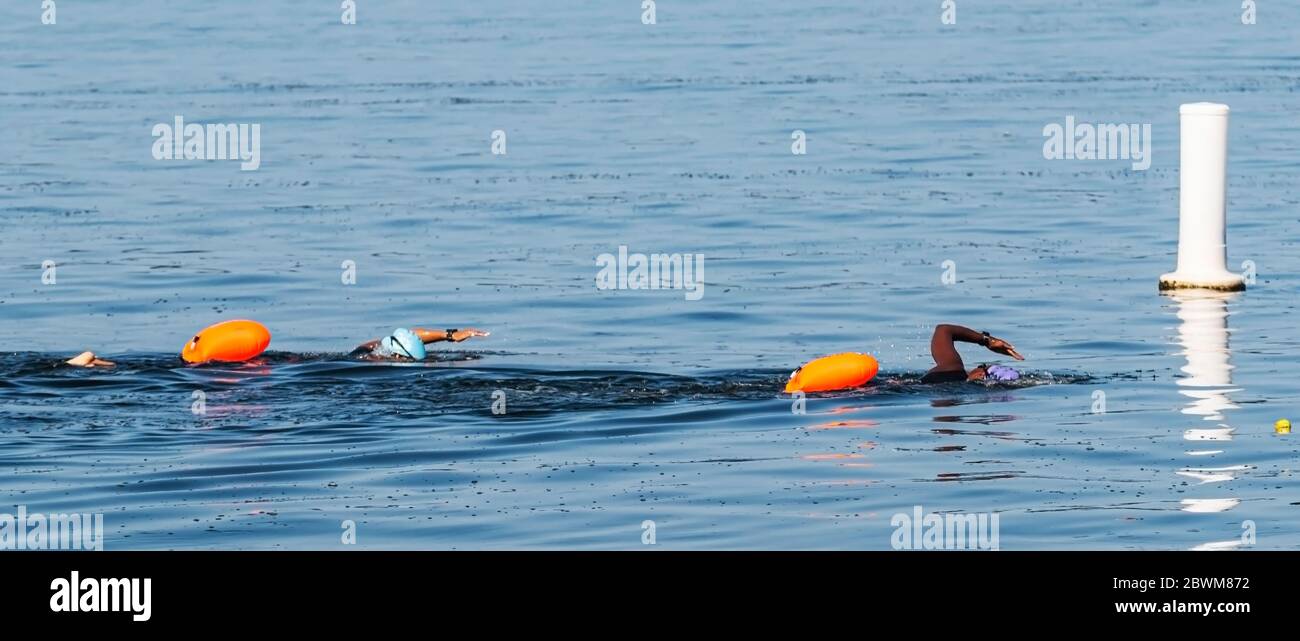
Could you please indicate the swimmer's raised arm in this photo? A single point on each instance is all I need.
(944, 349)
(453, 335)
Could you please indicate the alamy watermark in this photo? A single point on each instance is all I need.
(1102, 141)
(91, 594)
(949, 274)
(35, 531)
(179, 141)
(920, 531)
(648, 15)
(656, 271)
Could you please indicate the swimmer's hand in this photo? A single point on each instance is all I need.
(1003, 347)
(469, 332)
(88, 359)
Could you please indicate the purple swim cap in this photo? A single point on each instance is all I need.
(1001, 373)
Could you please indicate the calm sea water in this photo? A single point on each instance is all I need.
(924, 145)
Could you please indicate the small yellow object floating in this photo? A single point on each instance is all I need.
(1282, 426)
(840, 371)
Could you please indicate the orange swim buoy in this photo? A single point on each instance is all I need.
(827, 373)
(230, 341)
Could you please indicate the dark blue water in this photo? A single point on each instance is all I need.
(924, 146)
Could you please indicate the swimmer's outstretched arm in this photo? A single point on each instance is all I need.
(944, 349)
(88, 359)
(454, 335)
(430, 336)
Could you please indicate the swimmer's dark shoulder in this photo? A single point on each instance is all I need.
(944, 376)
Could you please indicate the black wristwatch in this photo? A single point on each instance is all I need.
(451, 338)
(987, 338)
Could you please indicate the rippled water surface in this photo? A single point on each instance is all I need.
(924, 146)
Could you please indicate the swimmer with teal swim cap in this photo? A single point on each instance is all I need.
(408, 344)
(402, 342)
(948, 364)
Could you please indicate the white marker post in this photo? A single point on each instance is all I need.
(1203, 202)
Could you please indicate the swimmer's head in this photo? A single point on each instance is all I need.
(404, 343)
(999, 373)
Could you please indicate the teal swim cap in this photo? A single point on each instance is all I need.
(404, 342)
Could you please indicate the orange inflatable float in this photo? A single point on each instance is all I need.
(840, 371)
(231, 341)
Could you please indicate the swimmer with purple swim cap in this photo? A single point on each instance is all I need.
(948, 364)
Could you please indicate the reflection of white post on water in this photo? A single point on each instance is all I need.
(1203, 335)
